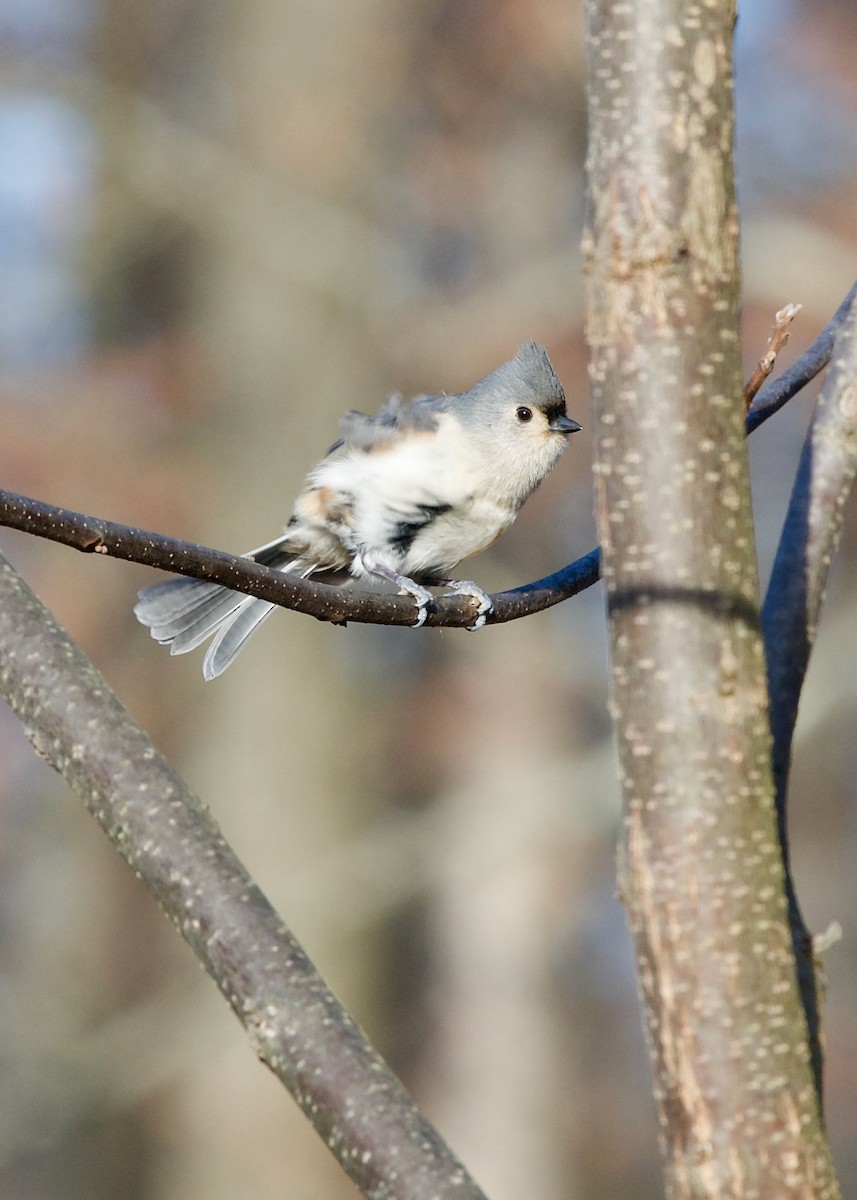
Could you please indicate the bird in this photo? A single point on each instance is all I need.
(402, 496)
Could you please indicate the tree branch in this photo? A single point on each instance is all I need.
(809, 540)
(172, 842)
(323, 601)
(772, 398)
(790, 614)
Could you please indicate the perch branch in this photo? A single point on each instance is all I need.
(172, 842)
(340, 605)
(336, 604)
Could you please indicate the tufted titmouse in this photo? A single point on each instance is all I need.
(403, 496)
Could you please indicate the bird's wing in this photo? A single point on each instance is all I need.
(359, 431)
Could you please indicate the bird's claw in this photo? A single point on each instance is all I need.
(406, 586)
(424, 598)
(422, 595)
(466, 587)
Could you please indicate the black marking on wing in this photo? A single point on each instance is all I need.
(403, 534)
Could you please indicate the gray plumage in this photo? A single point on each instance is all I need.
(403, 495)
(359, 431)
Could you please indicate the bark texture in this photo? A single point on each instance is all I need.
(701, 873)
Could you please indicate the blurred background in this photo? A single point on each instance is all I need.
(221, 224)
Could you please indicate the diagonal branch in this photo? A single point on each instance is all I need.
(172, 842)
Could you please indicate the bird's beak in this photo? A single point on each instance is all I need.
(564, 425)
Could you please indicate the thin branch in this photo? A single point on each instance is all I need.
(779, 337)
(790, 614)
(336, 604)
(772, 398)
(172, 842)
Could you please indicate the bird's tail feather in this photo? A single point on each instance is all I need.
(233, 633)
(182, 613)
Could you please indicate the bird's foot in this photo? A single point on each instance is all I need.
(407, 587)
(423, 597)
(466, 587)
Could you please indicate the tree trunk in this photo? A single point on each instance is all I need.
(701, 871)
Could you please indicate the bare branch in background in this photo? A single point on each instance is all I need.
(790, 614)
(810, 537)
(172, 842)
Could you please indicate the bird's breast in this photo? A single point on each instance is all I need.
(465, 529)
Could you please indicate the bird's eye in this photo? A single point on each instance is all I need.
(524, 414)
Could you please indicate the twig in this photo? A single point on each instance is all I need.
(772, 398)
(171, 841)
(779, 337)
(791, 610)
